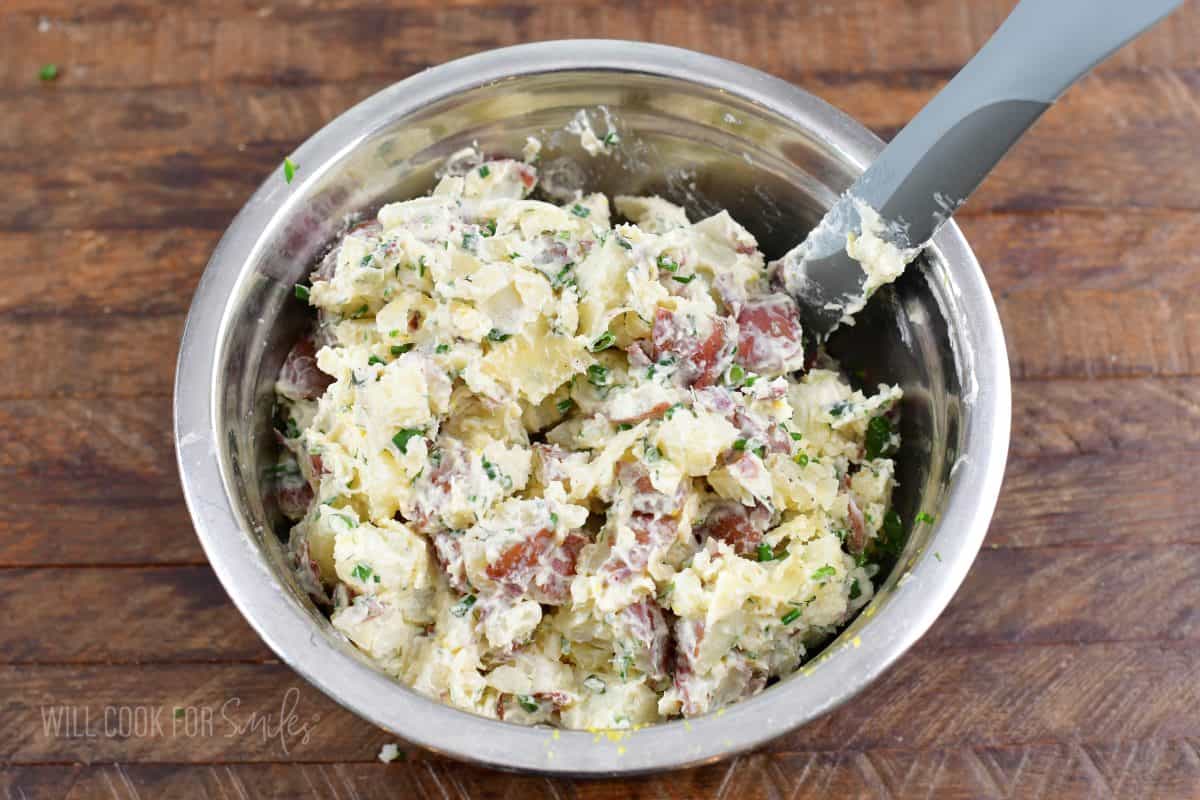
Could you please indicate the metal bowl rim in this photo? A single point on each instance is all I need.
(850, 665)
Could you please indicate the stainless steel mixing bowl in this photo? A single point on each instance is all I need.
(701, 131)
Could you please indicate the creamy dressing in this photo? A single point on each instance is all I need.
(552, 469)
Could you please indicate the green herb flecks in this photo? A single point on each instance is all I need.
(583, 212)
(527, 703)
(765, 553)
(564, 406)
(463, 607)
(824, 573)
(790, 617)
(301, 292)
(598, 376)
(401, 349)
(496, 335)
(402, 438)
(48, 72)
(879, 438)
(362, 572)
(289, 170)
(484, 171)
(603, 342)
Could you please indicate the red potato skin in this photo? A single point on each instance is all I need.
(701, 363)
(300, 372)
(770, 339)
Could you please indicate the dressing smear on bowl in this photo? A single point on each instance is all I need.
(573, 464)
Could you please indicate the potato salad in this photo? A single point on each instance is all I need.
(573, 464)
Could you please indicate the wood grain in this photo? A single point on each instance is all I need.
(198, 174)
(931, 699)
(1067, 666)
(1150, 769)
(111, 44)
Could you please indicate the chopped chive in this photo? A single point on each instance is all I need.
(879, 437)
(442, 348)
(462, 607)
(401, 349)
(801, 459)
(362, 572)
(765, 553)
(603, 342)
(827, 571)
(683, 278)
(496, 335)
(564, 406)
(289, 170)
(581, 211)
(667, 264)
(923, 517)
(761, 452)
(611, 138)
(597, 375)
(624, 426)
(739, 444)
(48, 72)
(855, 591)
(625, 243)
(361, 310)
(402, 438)
(527, 703)
(375, 360)
(790, 617)
(484, 171)
(301, 292)
(736, 374)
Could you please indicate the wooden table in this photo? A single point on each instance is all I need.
(1068, 665)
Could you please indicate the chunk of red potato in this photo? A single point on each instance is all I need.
(770, 339)
(538, 566)
(299, 377)
(293, 495)
(645, 627)
(645, 499)
(753, 430)
(697, 693)
(447, 549)
(857, 539)
(740, 527)
(651, 533)
(700, 362)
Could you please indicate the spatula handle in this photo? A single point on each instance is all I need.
(942, 155)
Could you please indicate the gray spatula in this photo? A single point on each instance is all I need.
(938, 159)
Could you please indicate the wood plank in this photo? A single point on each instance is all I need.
(1089, 694)
(1150, 769)
(1103, 499)
(116, 180)
(125, 44)
(133, 616)
(1096, 334)
(170, 615)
